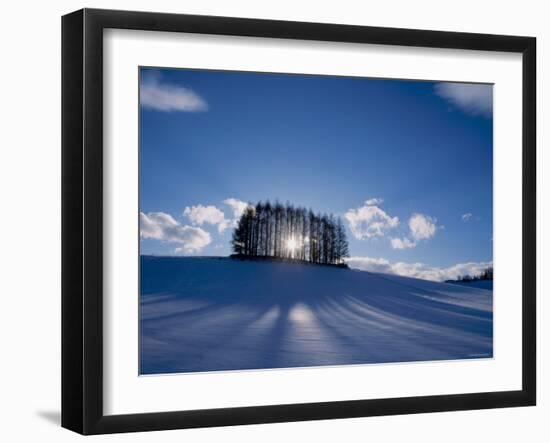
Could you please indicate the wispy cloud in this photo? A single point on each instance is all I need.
(474, 99)
(374, 201)
(370, 220)
(163, 227)
(417, 270)
(421, 227)
(161, 96)
(467, 217)
(200, 215)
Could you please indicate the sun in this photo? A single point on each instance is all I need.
(291, 244)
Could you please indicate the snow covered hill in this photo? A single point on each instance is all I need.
(210, 314)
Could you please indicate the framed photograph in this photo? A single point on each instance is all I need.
(269, 221)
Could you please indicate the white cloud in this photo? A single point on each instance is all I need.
(417, 270)
(166, 97)
(474, 99)
(212, 215)
(163, 227)
(467, 217)
(237, 206)
(369, 220)
(374, 202)
(200, 215)
(421, 227)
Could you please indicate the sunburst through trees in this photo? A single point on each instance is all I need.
(289, 232)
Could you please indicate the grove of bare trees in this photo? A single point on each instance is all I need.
(285, 231)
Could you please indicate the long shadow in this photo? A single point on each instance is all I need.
(215, 351)
(226, 342)
(414, 303)
(357, 352)
(405, 343)
(284, 348)
(429, 296)
(275, 340)
(432, 312)
(193, 312)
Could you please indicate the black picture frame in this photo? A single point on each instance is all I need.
(82, 218)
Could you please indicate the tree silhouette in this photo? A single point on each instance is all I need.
(286, 231)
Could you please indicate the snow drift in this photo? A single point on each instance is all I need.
(211, 314)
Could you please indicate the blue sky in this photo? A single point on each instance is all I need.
(408, 165)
